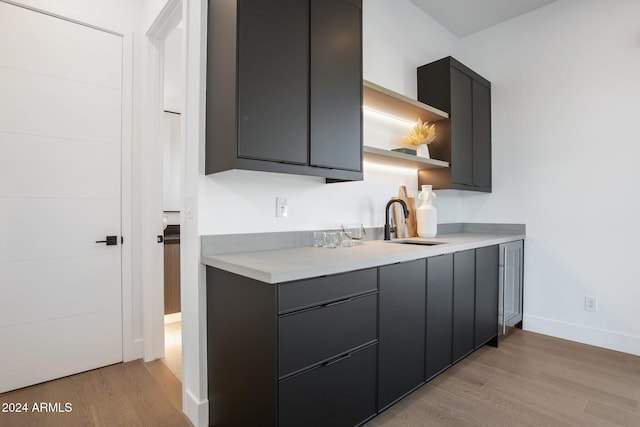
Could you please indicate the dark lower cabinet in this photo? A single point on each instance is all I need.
(439, 314)
(340, 393)
(464, 282)
(486, 295)
(242, 351)
(401, 340)
(335, 350)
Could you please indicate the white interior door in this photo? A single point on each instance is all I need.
(60, 192)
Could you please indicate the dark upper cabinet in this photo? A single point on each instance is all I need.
(336, 85)
(463, 303)
(486, 315)
(401, 336)
(439, 314)
(284, 87)
(465, 139)
(481, 136)
(273, 80)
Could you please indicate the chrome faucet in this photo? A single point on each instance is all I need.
(387, 227)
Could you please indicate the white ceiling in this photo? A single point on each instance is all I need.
(464, 17)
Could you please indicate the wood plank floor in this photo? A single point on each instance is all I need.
(125, 394)
(530, 380)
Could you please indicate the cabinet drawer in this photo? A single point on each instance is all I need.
(319, 334)
(316, 291)
(338, 393)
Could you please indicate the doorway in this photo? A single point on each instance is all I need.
(162, 179)
(173, 147)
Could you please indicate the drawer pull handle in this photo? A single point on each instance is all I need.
(337, 359)
(337, 302)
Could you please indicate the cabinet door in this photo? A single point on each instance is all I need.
(336, 85)
(340, 393)
(273, 80)
(401, 336)
(439, 313)
(481, 136)
(461, 128)
(463, 303)
(318, 334)
(486, 294)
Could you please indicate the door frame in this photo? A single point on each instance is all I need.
(131, 344)
(192, 272)
(153, 108)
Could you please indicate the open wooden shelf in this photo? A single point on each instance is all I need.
(388, 102)
(393, 158)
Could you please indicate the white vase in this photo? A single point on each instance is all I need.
(427, 214)
(423, 151)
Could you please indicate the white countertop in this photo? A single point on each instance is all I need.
(285, 265)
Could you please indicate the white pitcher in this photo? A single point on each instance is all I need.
(427, 214)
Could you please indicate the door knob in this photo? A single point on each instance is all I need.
(110, 240)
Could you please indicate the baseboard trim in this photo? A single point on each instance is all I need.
(196, 410)
(593, 336)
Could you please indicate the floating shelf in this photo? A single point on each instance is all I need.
(386, 101)
(393, 158)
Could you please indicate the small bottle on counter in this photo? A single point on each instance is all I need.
(427, 214)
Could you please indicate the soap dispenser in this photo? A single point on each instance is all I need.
(427, 214)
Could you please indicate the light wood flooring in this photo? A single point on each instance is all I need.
(530, 380)
(173, 347)
(125, 394)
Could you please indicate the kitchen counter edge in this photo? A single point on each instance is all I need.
(286, 265)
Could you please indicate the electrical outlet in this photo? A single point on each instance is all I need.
(282, 210)
(590, 303)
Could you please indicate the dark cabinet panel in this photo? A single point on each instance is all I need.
(461, 128)
(439, 313)
(463, 303)
(241, 350)
(465, 139)
(340, 393)
(319, 290)
(401, 341)
(481, 135)
(273, 79)
(336, 85)
(486, 294)
(318, 334)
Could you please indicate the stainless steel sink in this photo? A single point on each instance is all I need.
(416, 242)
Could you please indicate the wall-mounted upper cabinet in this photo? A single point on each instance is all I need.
(465, 139)
(284, 87)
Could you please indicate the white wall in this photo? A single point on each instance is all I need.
(398, 37)
(565, 97)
